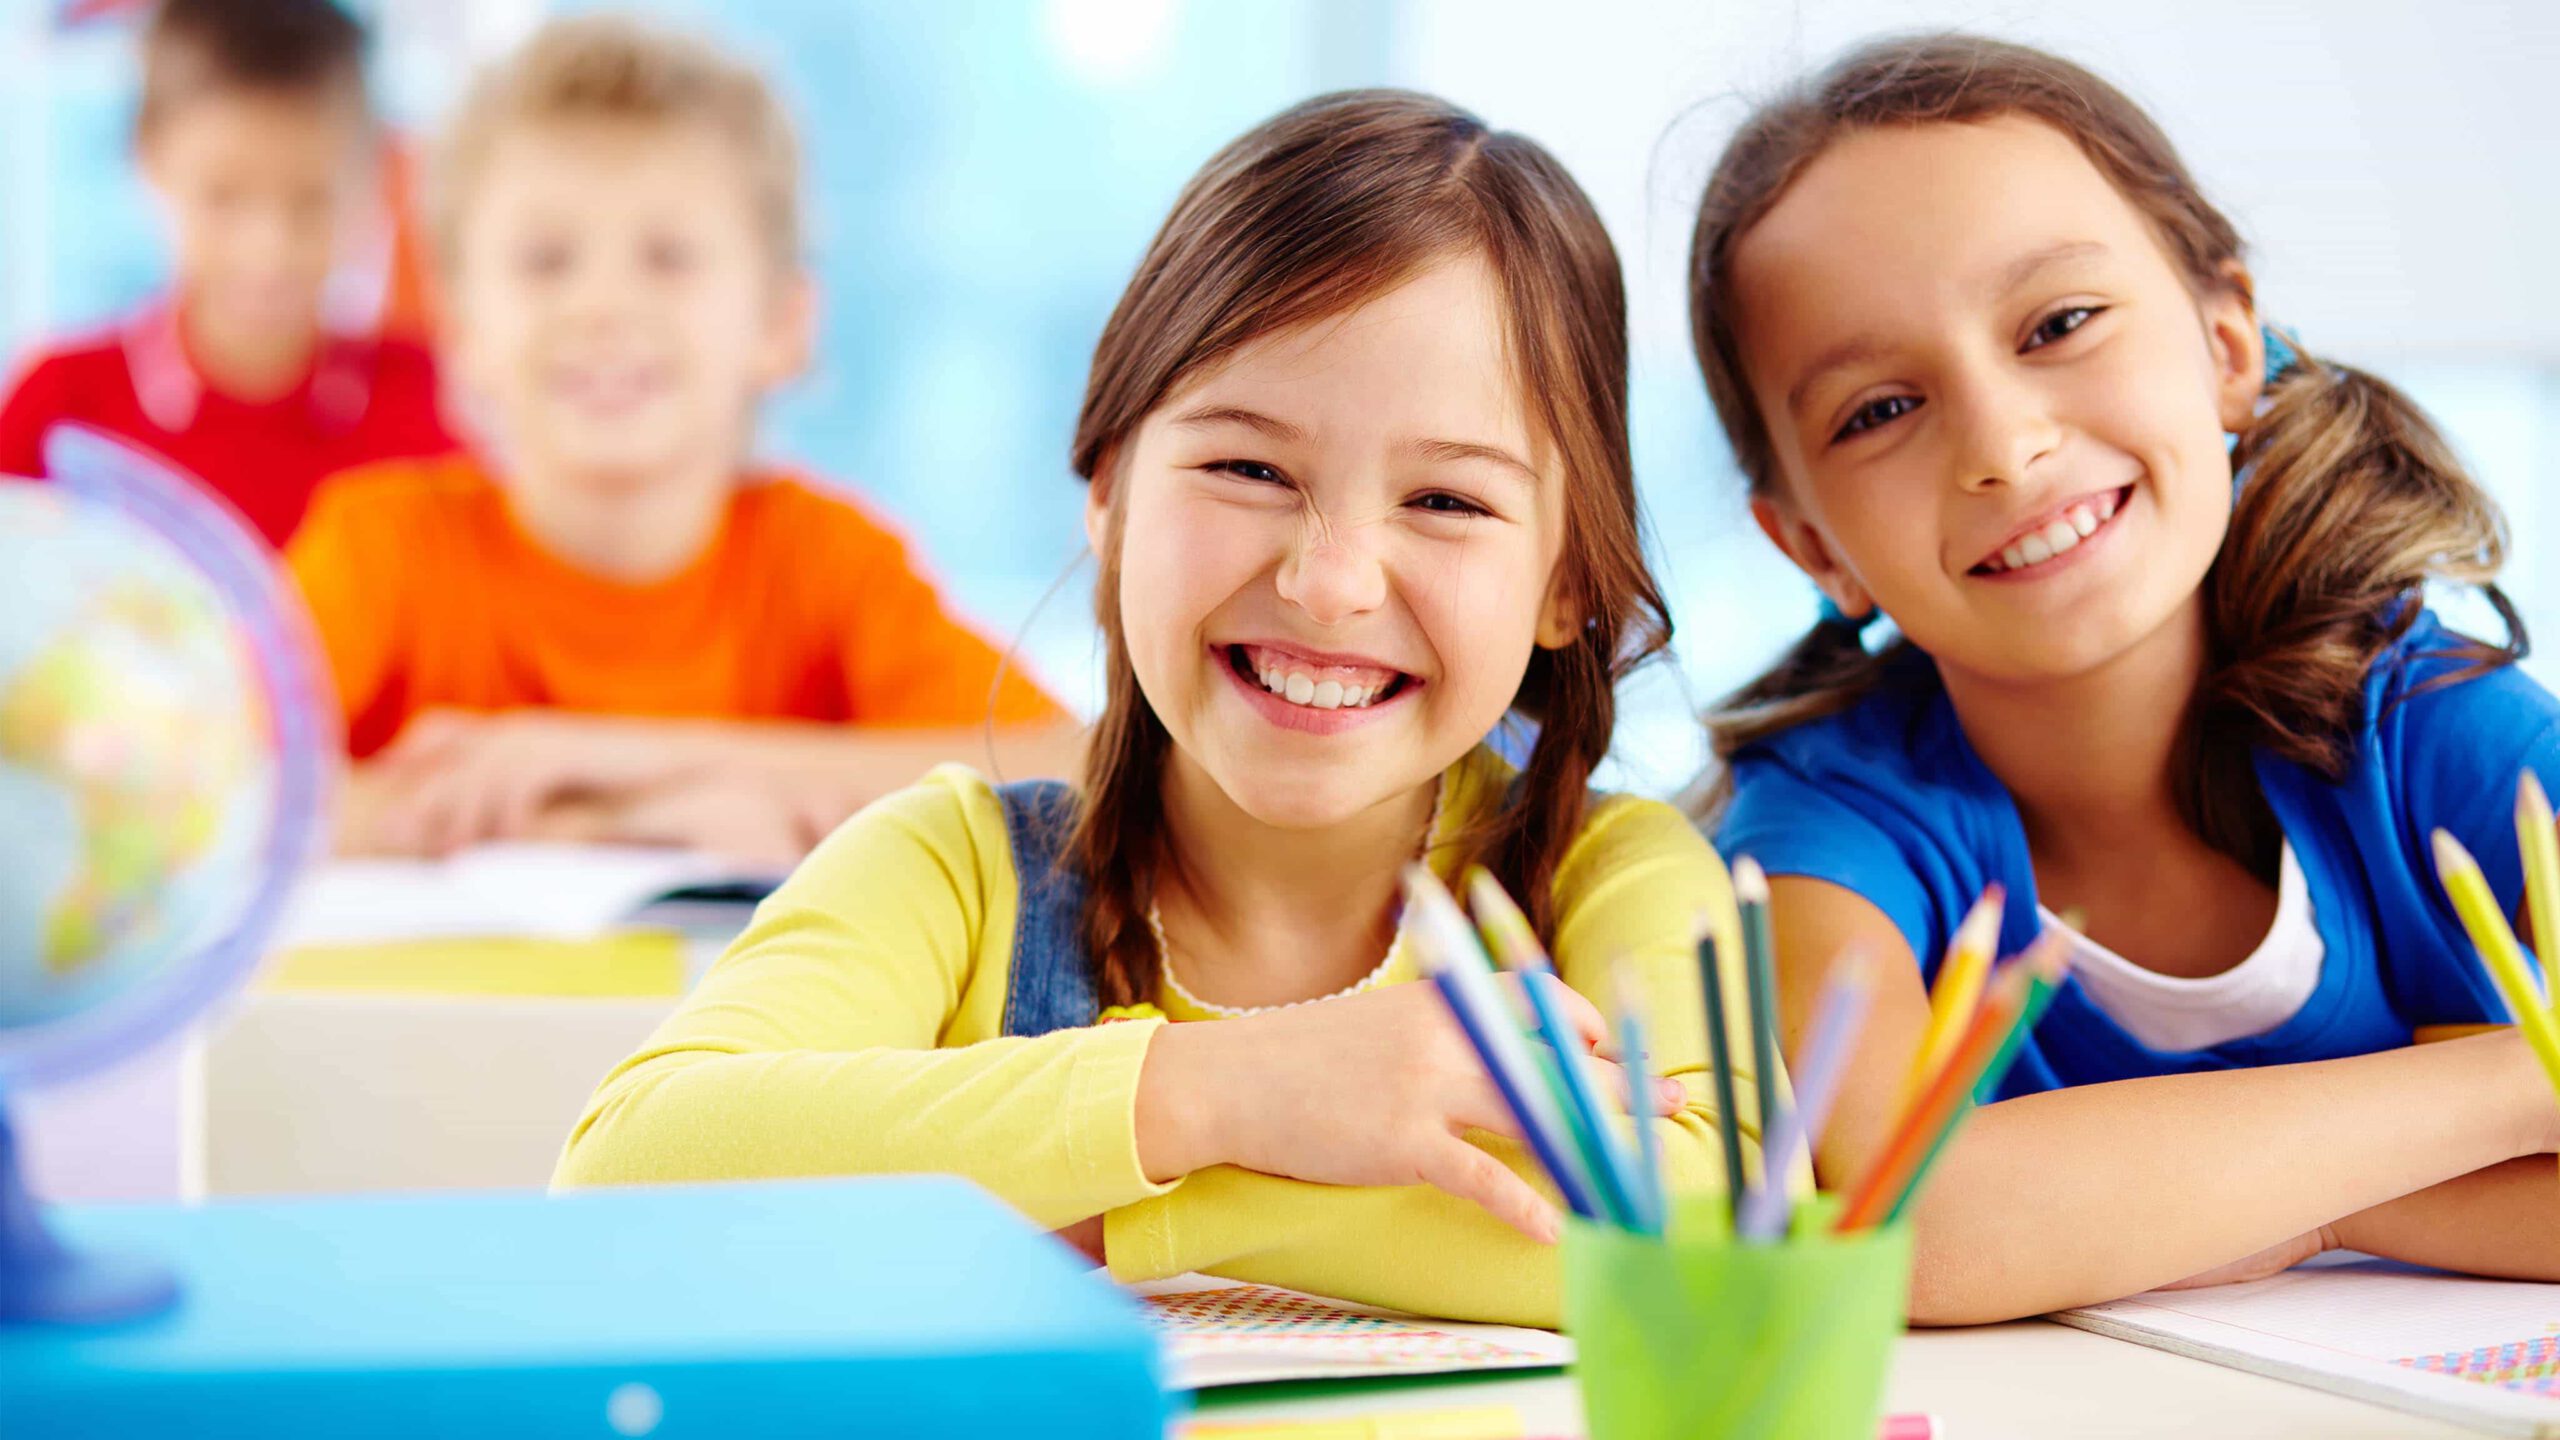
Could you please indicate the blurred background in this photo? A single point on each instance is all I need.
(983, 174)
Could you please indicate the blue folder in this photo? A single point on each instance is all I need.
(873, 1307)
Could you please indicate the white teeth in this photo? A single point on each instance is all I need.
(2082, 521)
(1353, 697)
(1328, 695)
(2107, 506)
(2013, 557)
(2035, 549)
(1301, 690)
(2060, 536)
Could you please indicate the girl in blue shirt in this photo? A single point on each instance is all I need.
(1994, 371)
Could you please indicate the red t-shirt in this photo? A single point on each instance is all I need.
(363, 400)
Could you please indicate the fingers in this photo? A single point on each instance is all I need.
(1666, 1095)
(1580, 1016)
(1453, 1165)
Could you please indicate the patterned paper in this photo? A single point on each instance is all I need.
(1268, 1322)
(2530, 1367)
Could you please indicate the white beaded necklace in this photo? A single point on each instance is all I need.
(1385, 965)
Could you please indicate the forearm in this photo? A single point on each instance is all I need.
(1044, 1123)
(1406, 1247)
(2088, 1194)
(2502, 1221)
(862, 763)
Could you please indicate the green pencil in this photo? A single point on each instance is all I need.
(1759, 969)
(2041, 985)
(1720, 1058)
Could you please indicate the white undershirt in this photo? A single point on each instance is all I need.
(2169, 1012)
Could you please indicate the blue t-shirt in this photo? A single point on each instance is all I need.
(1888, 799)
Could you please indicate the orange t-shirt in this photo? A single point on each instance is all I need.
(428, 594)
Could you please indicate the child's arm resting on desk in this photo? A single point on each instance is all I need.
(1632, 886)
(810, 1049)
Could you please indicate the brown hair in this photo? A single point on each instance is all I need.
(2352, 500)
(1310, 214)
(609, 68)
(276, 47)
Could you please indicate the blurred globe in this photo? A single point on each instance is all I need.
(159, 756)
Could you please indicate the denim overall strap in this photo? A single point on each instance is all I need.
(1051, 984)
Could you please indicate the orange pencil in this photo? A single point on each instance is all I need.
(1927, 1116)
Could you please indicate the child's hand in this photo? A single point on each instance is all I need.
(455, 778)
(764, 826)
(1370, 1089)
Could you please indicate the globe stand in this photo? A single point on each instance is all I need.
(42, 1282)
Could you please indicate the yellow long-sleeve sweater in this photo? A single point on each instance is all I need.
(856, 1027)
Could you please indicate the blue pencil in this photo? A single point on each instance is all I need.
(1457, 965)
(1653, 1209)
(1836, 1020)
(1540, 1144)
(1590, 1122)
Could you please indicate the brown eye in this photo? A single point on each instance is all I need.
(1878, 412)
(2059, 324)
(1253, 470)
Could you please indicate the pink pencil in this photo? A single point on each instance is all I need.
(1909, 1427)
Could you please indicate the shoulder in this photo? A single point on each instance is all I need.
(403, 363)
(72, 367)
(2430, 688)
(783, 507)
(407, 490)
(1897, 755)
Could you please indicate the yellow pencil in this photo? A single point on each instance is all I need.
(1951, 1005)
(2541, 846)
(2472, 900)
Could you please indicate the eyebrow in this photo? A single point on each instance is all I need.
(1858, 349)
(1454, 450)
(1211, 416)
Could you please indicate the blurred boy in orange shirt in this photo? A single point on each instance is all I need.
(255, 136)
(616, 627)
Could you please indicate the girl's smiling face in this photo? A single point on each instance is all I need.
(1995, 404)
(1336, 550)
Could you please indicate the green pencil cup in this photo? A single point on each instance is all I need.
(1692, 1335)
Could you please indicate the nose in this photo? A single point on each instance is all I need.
(2004, 425)
(1330, 575)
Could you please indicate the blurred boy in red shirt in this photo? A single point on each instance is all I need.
(254, 133)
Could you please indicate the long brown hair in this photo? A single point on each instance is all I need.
(1309, 214)
(2352, 503)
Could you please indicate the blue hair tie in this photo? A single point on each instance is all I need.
(2284, 354)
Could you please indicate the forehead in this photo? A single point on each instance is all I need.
(1431, 353)
(1902, 221)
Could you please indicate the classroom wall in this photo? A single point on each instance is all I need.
(984, 174)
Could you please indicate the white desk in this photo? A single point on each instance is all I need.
(2025, 1381)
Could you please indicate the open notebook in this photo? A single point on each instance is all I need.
(2480, 1353)
(1217, 1332)
(512, 891)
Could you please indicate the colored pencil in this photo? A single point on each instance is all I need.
(2478, 907)
(1720, 1061)
(1959, 988)
(2541, 847)
(2044, 977)
(1916, 1135)
(1837, 1017)
(1512, 941)
(1760, 976)
(1652, 1209)
(1457, 964)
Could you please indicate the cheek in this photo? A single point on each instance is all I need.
(1478, 605)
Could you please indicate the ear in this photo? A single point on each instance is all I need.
(1560, 623)
(791, 331)
(1802, 543)
(1098, 495)
(2236, 345)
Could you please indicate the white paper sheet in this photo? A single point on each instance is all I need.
(2363, 1327)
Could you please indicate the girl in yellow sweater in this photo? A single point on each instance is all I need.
(1360, 489)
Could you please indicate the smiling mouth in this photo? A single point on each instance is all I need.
(2057, 537)
(1316, 687)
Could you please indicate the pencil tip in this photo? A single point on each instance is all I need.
(2449, 853)
(1750, 882)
